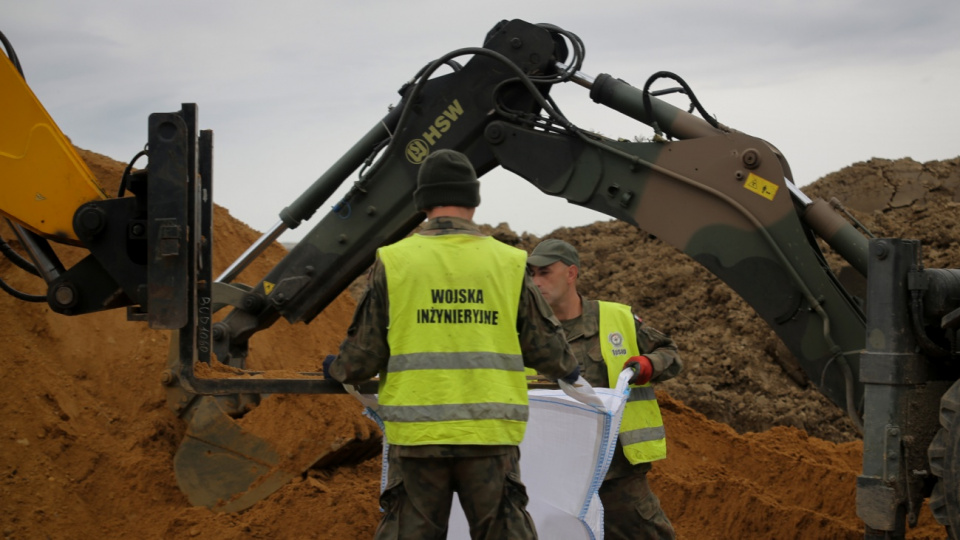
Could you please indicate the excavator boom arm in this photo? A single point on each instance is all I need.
(720, 196)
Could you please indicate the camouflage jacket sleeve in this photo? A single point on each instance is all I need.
(365, 351)
(660, 349)
(542, 341)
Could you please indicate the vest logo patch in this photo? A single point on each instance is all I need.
(616, 340)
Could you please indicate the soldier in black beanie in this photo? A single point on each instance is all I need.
(446, 178)
(440, 300)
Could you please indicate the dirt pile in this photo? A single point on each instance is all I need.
(87, 441)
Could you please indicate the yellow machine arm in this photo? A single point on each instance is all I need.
(42, 178)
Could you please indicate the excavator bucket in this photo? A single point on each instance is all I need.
(227, 463)
(219, 464)
(227, 468)
(222, 467)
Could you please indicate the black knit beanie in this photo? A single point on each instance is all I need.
(446, 178)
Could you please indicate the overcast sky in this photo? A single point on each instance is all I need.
(289, 86)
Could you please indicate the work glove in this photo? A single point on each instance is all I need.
(642, 369)
(571, 377)
(326, 365)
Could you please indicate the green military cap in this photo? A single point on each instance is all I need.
(551, 251)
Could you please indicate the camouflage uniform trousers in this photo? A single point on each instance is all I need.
(631, 511)
(419, 494)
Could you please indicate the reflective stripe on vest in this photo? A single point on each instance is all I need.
(641, 431)
(455, 374)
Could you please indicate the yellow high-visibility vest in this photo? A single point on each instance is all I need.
(642, 434)
(455, 374)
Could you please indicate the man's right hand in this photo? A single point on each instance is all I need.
(642, 367)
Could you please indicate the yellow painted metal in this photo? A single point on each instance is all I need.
(42, 178)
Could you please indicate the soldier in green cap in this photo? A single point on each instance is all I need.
(607, 337)
(449, 321)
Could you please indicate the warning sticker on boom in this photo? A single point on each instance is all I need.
(761, 186)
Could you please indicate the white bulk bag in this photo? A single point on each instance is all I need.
(564, 456)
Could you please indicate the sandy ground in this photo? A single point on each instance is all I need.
(87, 441)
